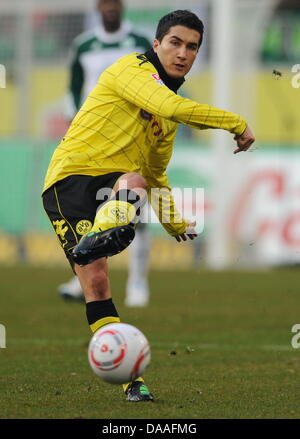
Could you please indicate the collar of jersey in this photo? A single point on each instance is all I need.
(172, 83)
(113, 37)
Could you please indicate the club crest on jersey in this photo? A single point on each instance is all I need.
(83, 227)
(157, 78)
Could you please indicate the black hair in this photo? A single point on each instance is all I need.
(179, 18)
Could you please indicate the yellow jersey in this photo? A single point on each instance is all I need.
(128, 123)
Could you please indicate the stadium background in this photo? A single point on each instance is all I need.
(262, 219)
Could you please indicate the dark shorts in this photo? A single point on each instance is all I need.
(71, 205)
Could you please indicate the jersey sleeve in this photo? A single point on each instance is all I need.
(139, 84)
(159, 191)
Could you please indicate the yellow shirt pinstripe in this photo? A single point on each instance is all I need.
(128, 124)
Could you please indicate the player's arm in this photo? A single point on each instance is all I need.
(136, 84)
(189, 233)
(162, 202)
(244, 141)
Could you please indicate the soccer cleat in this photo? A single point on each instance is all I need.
(138, 391)
(97, 245)
(71, 290)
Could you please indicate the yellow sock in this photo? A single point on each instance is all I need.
(125, 386)
(102, 322)
(114, 213)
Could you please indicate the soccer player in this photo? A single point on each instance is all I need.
(93, 52)
(122, 138)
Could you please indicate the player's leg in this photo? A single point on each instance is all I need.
(129, 193)
(128, 189)
(137, 288)
(113, 228)
(66, 204)
(101, 311)
(94, 280)
(72, 290)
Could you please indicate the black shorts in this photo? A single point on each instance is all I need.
(71, 205)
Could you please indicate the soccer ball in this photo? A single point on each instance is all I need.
(119, 353)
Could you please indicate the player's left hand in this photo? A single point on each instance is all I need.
(189, 233)
(244, 141)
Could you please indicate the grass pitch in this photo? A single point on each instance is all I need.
(221, 347)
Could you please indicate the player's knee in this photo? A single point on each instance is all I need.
(140, 181)
(134, 180)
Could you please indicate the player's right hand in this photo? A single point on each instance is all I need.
(189, 233)
(244, 141)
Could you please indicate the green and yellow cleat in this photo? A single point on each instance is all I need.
(138, 391)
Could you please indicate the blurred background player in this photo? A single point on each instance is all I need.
(94, 51)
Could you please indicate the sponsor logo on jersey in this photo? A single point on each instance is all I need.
(157, 78)
(145, 115)
(157, 131)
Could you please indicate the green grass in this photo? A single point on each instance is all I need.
(221, 347)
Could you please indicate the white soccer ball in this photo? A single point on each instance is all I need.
(119, 353)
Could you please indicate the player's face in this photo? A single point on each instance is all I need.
(177, 50)
(111, 11)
